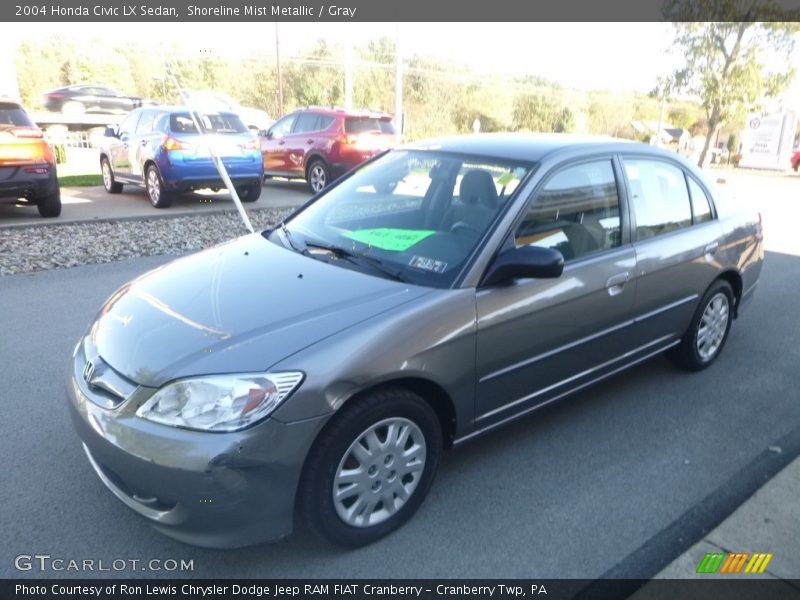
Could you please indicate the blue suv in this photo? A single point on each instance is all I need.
(160, 149)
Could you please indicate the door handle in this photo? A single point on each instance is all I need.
(616, 283)
(281, 143)
(309, 141)
(712, 248)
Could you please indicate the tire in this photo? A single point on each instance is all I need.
(249, 193)
(109, 183)
(318, 175)
(73, 107)
(159, 197)
(50, 206)
(796, 166)
(703, 341)
(387, 413)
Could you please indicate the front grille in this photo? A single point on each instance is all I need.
(107, 387)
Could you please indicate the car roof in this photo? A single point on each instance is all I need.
(347, 112)
(529, 147)
(175, 109)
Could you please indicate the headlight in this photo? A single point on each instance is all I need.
(219, 402)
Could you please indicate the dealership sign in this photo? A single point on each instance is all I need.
(767, 141)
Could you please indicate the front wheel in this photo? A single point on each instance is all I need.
(109, 183)
(318, 175)
(159, 197)
(371, 467)
(703, 341)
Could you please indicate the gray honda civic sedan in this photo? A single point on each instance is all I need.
(313, 373)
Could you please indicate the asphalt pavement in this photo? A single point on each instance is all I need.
(605, 483)
(93, 203)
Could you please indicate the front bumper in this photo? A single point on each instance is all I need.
(218, 490)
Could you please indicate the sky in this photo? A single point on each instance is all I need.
(593, 55)
(612, 56)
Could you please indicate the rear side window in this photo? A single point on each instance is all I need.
(355, 125)
(13, 114)
(701, 209)
(577, 212)
(211, 123)
(659, 197)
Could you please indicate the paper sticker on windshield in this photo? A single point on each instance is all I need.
(428, 264)
(386, 238)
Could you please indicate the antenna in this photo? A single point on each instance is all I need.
(223, 172)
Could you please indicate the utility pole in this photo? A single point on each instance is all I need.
(280, 76)
(398, 82)
(348, 73)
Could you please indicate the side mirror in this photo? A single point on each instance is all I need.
(110, 131)
(524, 262)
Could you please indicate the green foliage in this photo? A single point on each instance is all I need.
(535, 112)
(60, 152)
(725, 61)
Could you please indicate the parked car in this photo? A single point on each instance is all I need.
(27, 162)
(160, 149)
(796, 159)
(255, 119)
(320, 144)
(438, 292)
(79, 99)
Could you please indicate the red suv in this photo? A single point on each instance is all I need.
(796, 159)
(320, 144)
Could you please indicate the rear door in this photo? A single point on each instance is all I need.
(144, 142)
(538, 339)
(301, 141)
(676, 244)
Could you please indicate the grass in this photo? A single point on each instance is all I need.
(80, 180)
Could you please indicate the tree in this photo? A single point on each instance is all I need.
(724, 59)
(536, 112)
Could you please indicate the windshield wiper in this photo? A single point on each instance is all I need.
(358, 258)
(287, 234)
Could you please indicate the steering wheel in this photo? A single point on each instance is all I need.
(466, 231)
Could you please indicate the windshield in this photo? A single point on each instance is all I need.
(412, 215)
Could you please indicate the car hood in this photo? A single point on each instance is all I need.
(238, 307)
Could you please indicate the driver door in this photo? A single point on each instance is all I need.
(122, 148)
(273, 146)
(538, 339)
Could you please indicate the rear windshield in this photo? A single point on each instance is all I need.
(12, 114)
(211, 123)
(368, 125)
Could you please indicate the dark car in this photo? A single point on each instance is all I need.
(27, 163)
(161, 149)
(320, 144)
(79, 99)
(317, 370)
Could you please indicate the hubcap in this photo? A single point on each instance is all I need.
(712, 327)
(106, 175)
(153, 186)
(317, 178)
(379, 472)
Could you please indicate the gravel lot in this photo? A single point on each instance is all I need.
(27, 249)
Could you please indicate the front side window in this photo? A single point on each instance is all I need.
(659, 197)
(282, 127)
(412, 215)
(128, 125)
(577, 212)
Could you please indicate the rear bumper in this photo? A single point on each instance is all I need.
(16, 183)
(181, 176)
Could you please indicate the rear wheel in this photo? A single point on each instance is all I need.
(50, 205)
(318, 175)
(371, 467)
(159, 197)
(249, 193)
(112, 186)
(703, 341)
